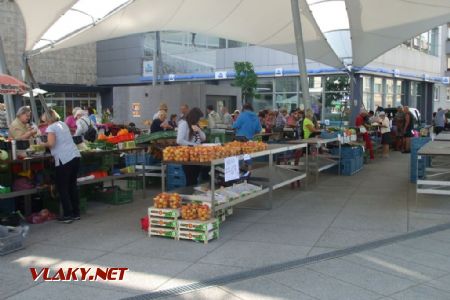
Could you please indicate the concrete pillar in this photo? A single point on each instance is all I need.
(356, 95)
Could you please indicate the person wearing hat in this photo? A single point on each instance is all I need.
(20, 128)
(71, 122)
(385, 133)
(162, 108)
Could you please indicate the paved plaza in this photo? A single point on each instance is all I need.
(337, 213)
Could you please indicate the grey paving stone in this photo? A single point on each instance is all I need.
(263, 288)
(336, 237)
(425, 258)
(41, 255)
(199, 272)
(99, 237)
(372, 220)
(144, 275)
(422, 292)
(376, 281)
(159, 247)
(231, 228)
(427, 244)
(59, 290)
(443, 236)
(321, 286)
(395, 266)
(320, 250)
(281, 234)
(206, 294)
(254, 254)
(11, 284)
(442, 283)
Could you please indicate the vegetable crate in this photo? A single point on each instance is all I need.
(163, 222)
(198, 231)
(222, 214)
(116, 196)
(12, 240)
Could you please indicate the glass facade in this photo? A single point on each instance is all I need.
(384, 92)
(63, 103)
(187, 52)
(427, 42)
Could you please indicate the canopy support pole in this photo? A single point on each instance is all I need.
(156, 57)
(296, 19)
(33, 84)
(9, 104)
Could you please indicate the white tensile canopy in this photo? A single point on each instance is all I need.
(266, 23)
(375, 26)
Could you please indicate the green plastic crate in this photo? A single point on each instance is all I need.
(115, 196)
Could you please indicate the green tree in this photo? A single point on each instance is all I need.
(246, 79)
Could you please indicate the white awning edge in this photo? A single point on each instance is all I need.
(378, 26)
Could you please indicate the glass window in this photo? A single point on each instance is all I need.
(286, 100)
(436, 93)
(315, 82)
(264, 101)
(448, 94)
(398, 92)
(378, 85)
(337, 83)
(286, 84)
(264, 85)
(389, 93)
(336, 106)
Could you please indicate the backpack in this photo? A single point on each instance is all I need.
(91, 134)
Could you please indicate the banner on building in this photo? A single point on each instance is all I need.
(220, 75)
(147, 68)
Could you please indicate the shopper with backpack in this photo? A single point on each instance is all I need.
(85, 127)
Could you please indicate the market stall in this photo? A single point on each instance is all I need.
(204, 206)
(433, 168)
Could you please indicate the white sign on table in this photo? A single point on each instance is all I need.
(231, 168)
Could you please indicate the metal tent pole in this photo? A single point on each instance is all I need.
(30, 83)
(156, 57)
(10, 110)
(35, 84)
(296, 19)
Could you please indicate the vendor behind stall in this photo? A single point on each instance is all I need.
(385, 133)
(247, 125)
(160, 123)
(309, 130)
(190, 134)
(20, 128)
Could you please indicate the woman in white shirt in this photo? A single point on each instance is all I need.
(67, 162)
(190, 134)
(385, 133)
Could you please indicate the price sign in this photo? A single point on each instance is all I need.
(231, 168)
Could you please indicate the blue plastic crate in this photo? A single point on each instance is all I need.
(350, 166)
(175, 170)
(328, 135)
(348, 152)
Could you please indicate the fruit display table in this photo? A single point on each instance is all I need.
(436, 177)
(265, 178)
(321, 160)
(99, 156)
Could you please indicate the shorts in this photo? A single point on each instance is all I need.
(386, 138)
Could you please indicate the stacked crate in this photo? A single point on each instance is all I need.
(198, 231)
(175, 177)
(417, 167)
(163, 222)
(352, 159)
